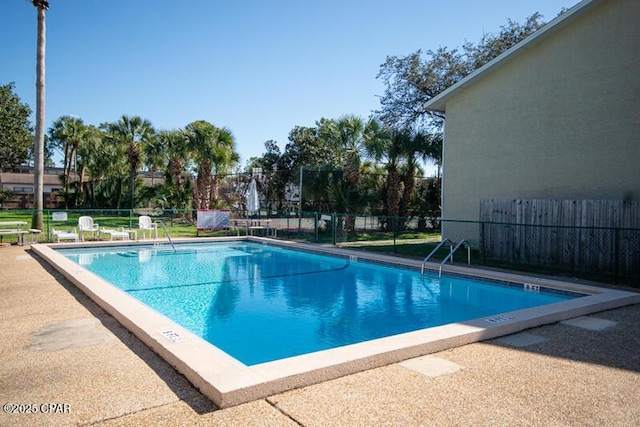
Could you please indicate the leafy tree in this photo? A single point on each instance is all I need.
(414, 79)
(15, 128)
(492, 45)
(273, 166)
(306, 150)
(5, 194)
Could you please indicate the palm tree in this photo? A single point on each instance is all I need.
(68, 134)
(213, 150)
(155, 157)
(224, 160)
(174, 145)
(92, 137)
(202, 137)
(346, 137)
(414, 147)
(38, 177)
(387, 148)
(108, 167)
(132, 133)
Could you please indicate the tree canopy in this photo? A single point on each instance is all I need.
(15, 128)
(414, 79)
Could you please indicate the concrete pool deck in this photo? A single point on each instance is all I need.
(59, 348)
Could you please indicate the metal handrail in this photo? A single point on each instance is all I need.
(159, 221)
(462, 242)
(441, 244)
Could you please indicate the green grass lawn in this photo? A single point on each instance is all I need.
(108, 219)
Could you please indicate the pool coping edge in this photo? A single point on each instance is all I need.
(227, 382)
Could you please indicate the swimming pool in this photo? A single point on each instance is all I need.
(260, 303)
(380, 320)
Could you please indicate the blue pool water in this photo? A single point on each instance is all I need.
(260, 303)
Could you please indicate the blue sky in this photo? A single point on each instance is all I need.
(257, 67)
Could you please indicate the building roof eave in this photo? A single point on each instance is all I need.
(438, 102)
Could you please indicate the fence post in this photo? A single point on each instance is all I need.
(288, 216)
(394, 224)
(616, 254)
(482, 243)
(333, 227)
(315, 226)
(48, 231)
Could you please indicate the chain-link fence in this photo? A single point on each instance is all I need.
(284, 192)
(611, 254)
(593, 252)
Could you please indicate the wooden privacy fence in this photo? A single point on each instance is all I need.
(599, 236)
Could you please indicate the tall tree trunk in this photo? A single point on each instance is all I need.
(38, 149)
(178, 168)
(353, 180)
(66, 168)
(204, 185)
(215, 187)
(134, 161)
(393, 188)
(409, 186)
(81, 181)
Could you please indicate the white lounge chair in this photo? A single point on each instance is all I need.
(64, 235)
(85, 223)
(145, 223)
(116, 234)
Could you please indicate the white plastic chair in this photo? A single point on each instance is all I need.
(145, 223)
(85, 223)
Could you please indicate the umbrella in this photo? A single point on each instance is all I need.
(253, 201)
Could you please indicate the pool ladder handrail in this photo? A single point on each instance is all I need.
(461, 243)
(441, 244)
(159, 221)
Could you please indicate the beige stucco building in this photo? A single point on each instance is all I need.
(555, 117)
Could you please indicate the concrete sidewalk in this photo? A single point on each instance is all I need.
(69, 363)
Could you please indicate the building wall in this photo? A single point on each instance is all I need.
(559, 121)
(17, 182)
(21, 183)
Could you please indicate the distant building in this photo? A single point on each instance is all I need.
(20, 181)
